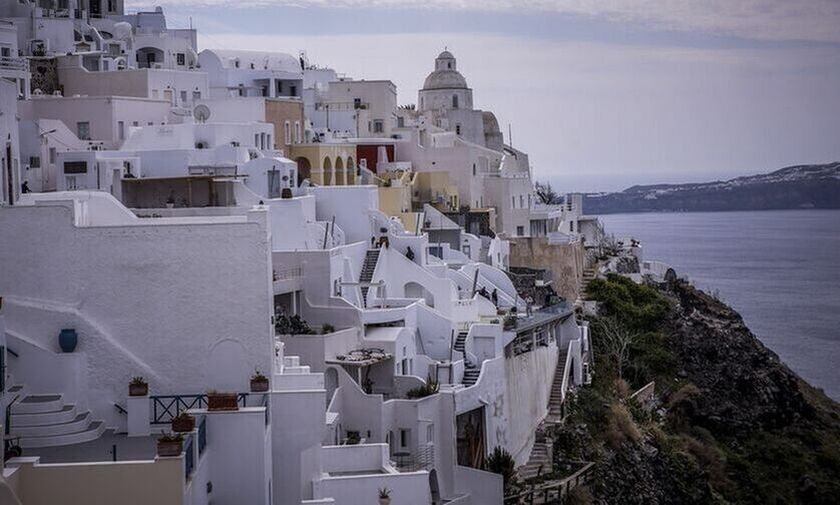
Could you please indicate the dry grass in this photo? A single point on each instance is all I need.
(621, 427)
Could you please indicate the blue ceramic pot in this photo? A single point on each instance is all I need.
(68, 339)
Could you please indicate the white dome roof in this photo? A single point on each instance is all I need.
(446, 75)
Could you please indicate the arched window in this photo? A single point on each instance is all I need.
(454, 101)
(297, 132)
(287, 131)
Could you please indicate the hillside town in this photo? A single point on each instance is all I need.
(238, 277)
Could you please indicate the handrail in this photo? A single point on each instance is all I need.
(12, 352)
(121, 409)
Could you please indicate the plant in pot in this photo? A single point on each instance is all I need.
(170, 445)
(183, 423)
(138, 387)
(327, 329)
(68, 339)
(217, 401)
(384, 496)
(259, 382)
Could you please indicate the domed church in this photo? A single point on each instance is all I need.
(448, 101)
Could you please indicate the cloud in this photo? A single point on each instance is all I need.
(807, 20)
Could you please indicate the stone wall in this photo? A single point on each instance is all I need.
(565, 261)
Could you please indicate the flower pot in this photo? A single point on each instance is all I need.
(259, 385)
(226, 401)
(170, 205)
(138, 389)
(68, 339)
(183, 424)
(169, 449)
(384, 501)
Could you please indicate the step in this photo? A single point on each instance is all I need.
(80, 423)
(64, 415)
(296, 370)
(34, 404)
(91, 432)
(291, 361)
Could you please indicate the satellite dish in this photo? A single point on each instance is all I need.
(201, 113)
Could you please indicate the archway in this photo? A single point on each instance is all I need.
(340, 179)
(415, 290)
(148, 56)
(326, 177)
(304, 169)
(351, 171)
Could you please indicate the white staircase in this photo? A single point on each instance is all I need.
(45, 420)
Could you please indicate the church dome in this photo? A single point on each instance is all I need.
(445, 75)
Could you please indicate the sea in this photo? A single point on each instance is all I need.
(779, 269)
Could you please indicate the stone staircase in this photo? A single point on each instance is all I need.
(539, 462)
(45, 420)
(471, 371)
(555, 399)
(368, 267)
(589, 273)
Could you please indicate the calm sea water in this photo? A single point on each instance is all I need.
(779, 269)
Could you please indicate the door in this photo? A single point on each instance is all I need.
(10, 179)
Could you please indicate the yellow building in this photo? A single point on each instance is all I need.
(325, 164)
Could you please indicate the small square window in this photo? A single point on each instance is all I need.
(181, 58)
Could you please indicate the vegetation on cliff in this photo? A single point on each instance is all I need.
(728, 422)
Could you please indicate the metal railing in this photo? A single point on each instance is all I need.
(424, 459)
(14, 63)
(164, 408)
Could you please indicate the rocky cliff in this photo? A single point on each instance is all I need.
(729, 422)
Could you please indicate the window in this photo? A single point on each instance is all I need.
(430, 433)
(357, 103)
(520, 230)
(378, 126)
(5, 51)
(75, 167)
(400, 122)
(279, 88)
(121, 130)
(52, 154)
(183, 97)
(513, 202)
(297, 132)
(196, 95)
(287, 129)
(34, 162)
(70, 182)
(274, 179)
(572, 226)
(521, 202)
(405, 437)
(181, 59)
(473, 167)
(293, 91)
(241, 89)
(83, 130)
(135, 123)
(454, 101)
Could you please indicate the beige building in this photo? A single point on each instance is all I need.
(286, 114)
(325, 164)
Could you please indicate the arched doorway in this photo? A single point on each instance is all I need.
(327, 172)
(339, 172)
(415, 290)
(147, 57)
(304, 169)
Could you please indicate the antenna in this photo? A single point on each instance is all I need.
(510, 136)
(201, 113)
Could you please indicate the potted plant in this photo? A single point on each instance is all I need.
(138, 387)
(384, 496)
(183, 423)
(170, 202)
(327, 329)
(170, 445)
(221, 401)
(259, 382)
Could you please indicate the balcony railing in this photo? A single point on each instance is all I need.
(189, 459)
(164, 408)
(424, 459)
(14, 63)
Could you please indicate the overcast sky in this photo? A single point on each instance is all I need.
(603, 94)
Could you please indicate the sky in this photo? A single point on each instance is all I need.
(602, 94)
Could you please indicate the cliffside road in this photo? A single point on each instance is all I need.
(796, 187)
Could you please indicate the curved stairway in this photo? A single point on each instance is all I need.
(45, 420)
